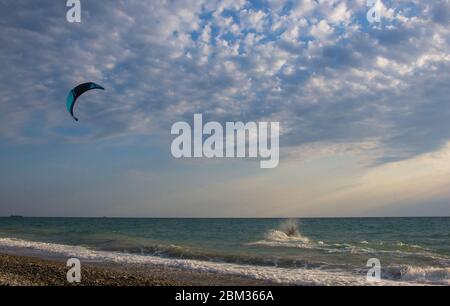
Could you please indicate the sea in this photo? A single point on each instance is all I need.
(302, 251)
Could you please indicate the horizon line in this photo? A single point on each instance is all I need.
(337, 217)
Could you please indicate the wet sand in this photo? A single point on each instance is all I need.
(31, 271)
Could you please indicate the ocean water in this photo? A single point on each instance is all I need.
(331, 251)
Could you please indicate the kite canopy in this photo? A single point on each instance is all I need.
(75, 93)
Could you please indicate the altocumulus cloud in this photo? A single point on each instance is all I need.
(318, 67)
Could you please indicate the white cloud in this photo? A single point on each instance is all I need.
(327, 75)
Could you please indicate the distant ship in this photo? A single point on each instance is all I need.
(15, 216)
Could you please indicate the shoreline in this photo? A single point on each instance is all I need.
(18, 270)
(31, 263)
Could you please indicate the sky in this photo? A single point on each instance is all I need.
(363, 107)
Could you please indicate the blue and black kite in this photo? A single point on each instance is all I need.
(75, 93)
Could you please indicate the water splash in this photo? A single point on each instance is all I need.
(287, 231)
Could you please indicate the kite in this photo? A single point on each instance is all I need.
(76, 92)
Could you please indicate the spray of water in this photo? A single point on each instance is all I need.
(287, 231)
(290, 228)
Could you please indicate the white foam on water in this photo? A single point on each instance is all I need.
(288, 235)
(276, 235)
(426, 274)
(277, 238)
(291, 276)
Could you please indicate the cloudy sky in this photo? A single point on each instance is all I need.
(363, 107)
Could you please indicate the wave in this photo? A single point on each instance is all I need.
(287, 235)
(407, 245)
(276, 235)
(431, 275)
(290, 276)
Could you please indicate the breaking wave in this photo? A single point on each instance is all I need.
(287, 235)
(429, 275)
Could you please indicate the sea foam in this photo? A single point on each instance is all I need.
(297, 276)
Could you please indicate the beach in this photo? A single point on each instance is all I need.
(33, 271)
(153, 252)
